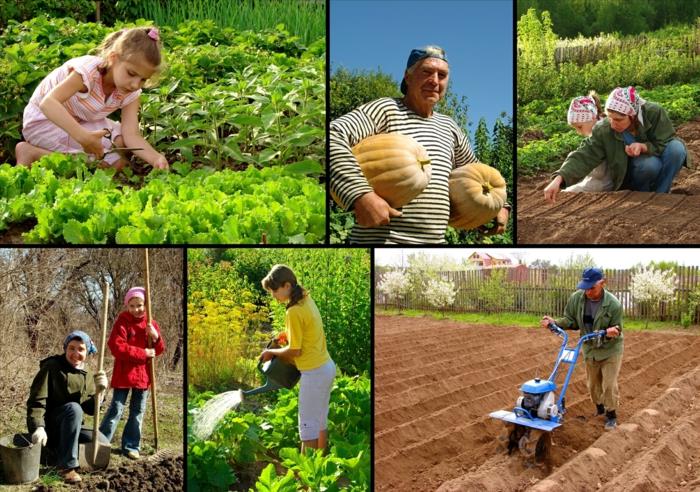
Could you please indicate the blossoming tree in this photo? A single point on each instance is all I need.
(650, 287)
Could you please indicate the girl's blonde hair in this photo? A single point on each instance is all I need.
(278, 276)
(131, 43)
(596, 99)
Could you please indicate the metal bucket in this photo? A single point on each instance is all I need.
(20, 458)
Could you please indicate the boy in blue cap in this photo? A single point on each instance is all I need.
(589, 309)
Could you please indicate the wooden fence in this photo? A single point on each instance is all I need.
(546, 291)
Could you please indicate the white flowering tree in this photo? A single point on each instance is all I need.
(439, 293)
(650, 287)
(395, 285)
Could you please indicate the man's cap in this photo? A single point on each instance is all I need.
(418, 54)
(589, 278)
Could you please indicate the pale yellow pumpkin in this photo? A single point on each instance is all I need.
(395, 165)
(477, 194)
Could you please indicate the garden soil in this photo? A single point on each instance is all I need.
(620, 217)
(164, 472)
(438, 380)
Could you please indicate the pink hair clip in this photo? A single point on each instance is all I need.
(153, 34)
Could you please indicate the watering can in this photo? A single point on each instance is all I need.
(278, 374)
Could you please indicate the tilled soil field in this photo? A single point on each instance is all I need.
(437, 381)
(620, 217)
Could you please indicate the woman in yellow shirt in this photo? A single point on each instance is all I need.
(307, 351)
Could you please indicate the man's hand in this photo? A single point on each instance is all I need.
(500, 224)
(612, 332)
(552, 189)
(371, 210)
(39, 436)
(545, 321)
(101, 381)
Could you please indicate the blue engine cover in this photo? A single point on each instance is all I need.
(537, 386)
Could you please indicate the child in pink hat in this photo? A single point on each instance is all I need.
(128, 343)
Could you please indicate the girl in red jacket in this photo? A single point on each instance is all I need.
(128, 343)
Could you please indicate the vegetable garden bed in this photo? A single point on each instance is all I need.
(239, 115)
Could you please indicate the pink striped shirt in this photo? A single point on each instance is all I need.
(88, 106)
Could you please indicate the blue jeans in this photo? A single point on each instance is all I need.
(63, 428)
(131, 436)
(652, 173)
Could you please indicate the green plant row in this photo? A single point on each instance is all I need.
(73, 205)
(660, 60)
(304, 18)
(226, 98)
(271, 436)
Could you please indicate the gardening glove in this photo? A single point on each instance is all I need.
(101, 382)
(39, 436)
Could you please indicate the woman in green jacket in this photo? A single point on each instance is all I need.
(638, 142)
(61, 392)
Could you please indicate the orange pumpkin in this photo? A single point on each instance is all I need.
(395, 165)
(477, 194)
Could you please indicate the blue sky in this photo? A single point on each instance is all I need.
(476, 34)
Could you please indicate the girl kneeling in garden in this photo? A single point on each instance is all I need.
(307, 351)
(68, 111)
(584, 113)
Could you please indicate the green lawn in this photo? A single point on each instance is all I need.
(526, 320)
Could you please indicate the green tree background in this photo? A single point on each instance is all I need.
(591, 17)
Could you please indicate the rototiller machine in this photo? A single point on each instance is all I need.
(539, 409)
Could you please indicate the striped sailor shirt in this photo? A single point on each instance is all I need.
(424, 219)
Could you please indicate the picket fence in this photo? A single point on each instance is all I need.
(546, 291)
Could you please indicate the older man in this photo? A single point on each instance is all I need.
(589, 309)
(424, 219)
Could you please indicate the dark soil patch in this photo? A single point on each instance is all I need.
(13, 234)
(620, 217)
(166, 474)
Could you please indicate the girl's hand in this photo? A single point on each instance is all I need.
(152, 332)
(635, 149)
(160, 162)
(150, 353)
(552, 189)
(266, 355)
(92, 143)
(282, 338)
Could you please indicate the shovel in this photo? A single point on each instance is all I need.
(152, 360)
(95, 454)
